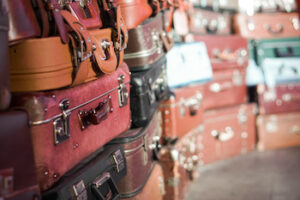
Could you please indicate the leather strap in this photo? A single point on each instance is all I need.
(44, 17)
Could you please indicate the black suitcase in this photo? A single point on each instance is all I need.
(92, 179)
(148, 89)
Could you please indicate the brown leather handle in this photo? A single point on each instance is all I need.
(167, 41)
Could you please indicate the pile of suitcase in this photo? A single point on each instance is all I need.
(104, 99)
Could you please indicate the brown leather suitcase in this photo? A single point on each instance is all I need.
(17, 170)
(228, 132)
(147, 43)
(281, 98)
(75, 122)
(182, 112)
(267, 25)
(180, 165)
(4, 67)
(141, 147)
(154, 187)
(278, 130)
(226, 51)
(227, 88)
(209, 22)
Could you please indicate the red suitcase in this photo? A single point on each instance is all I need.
(182, 112)
(70, 124)
(281, 98)
(278, 130)
(228, 132)
(227, 88)
(17, 170)
(226, 51)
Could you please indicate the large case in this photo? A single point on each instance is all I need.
(227, 88)
(148, 89)
(281, 98)
(141, 146)
(226, 51)
(70, 124)
(94, 178)
(209, 22)
(267, 25)
(278, 130)
(182, 112)
(17, 170)
(228, 132)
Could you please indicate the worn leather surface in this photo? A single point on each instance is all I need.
(236, 131)
(228, 87)
(267, 25)
(52, 161)
(278, 130)
(16, 154)
(281, 98)
(226, 51)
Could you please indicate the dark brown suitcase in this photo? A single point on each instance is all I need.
(267, 25)
(209, 22)
(4, 66)
(180, 164)
(226, 51)
(182, 112)
(281, 98)
(147, 43)
(17, 170)
(227, 88)
(141, 146)
(278, 130)
(228, 132)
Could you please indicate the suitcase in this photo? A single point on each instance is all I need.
(278, 130)
(226, 51)
(274, 48)
(209, 22)
(17, 170)
(180, 165)
(75, 122)
(281, 98)
(4, 68)
(148, 89)
(182, 67)
(141, 146)
(217, 5)
(227, 88)
(147, 43)
(94, 178)
(267, 25)
(228, 132)
(154, 187)
(182, 112)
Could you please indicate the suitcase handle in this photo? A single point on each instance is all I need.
(212, 28)
(223, 136)
(95, 115)
(275, 32)
(105, 184)
(289, 53)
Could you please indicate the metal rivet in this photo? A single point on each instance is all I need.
(46, 173)
(45, 109)
(53, 96)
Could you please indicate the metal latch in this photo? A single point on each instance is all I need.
(61, 128)
(122, 92)
(118, 160)
(79, 191)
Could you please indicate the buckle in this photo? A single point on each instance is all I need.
(83, 56)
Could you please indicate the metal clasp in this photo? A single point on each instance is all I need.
(122, 92)
(79, 191)
(118, 161)
(61, 128)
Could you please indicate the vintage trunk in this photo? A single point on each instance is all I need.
(267, 25)
(75, 122)
(141, 146)
(147, 43)
(209, 22)
(148, 89)
(228, 132)
(180, 165)
(278, 130)
(17, 170)
(155, 186)
(281, 98)
(182, 112)
(226, 51)
(94, 178)
(228, 88)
